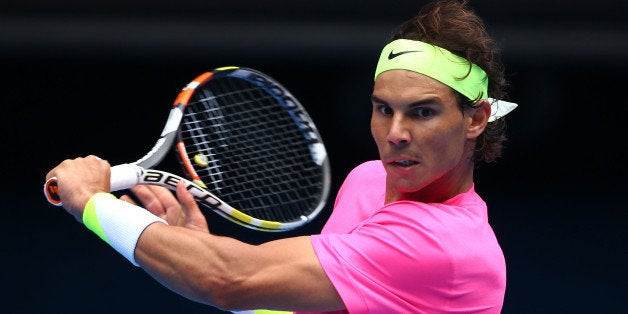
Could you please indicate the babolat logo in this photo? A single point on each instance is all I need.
(286, 99)
(52, 192)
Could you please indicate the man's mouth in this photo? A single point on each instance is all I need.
(404, 162)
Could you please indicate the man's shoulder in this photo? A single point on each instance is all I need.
(371, 168)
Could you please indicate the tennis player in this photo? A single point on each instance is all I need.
(408, 234)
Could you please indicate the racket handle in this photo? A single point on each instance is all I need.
(51, 191)
(123, 177)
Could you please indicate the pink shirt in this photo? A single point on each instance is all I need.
(410, 257)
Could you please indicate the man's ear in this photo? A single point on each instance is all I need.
(478, 118)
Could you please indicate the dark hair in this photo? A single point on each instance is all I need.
(453, 26)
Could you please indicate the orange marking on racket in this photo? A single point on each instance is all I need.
(186, 93)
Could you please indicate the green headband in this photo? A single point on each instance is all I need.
(437, 63)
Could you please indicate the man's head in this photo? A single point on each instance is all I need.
(452, 26)
(425, 142)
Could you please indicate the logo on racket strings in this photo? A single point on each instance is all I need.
(297, 113)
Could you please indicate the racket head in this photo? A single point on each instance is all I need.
(249, 141)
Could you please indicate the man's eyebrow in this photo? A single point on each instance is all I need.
(429, 101)
(378, 100)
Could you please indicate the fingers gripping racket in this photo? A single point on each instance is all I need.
(241, 135)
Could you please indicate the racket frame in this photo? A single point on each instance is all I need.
(125, 176)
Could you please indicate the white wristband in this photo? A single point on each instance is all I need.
(117, 222)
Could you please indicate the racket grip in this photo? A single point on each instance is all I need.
(123, 177)
(52, 192)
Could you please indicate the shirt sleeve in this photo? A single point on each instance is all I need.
(390, 263)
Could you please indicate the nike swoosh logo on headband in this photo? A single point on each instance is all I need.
(393, 55)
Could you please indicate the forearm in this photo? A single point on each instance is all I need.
(194, 264)
(232, 275)
(218, 271)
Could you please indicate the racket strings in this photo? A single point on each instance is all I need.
(259, 160)
(248, 138)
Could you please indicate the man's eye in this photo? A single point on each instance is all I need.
(424, 112)
(385, 110)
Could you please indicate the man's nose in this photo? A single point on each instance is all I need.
(398, 133)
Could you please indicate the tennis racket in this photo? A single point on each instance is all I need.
(248, 149)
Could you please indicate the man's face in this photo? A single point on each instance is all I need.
(421, 135)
